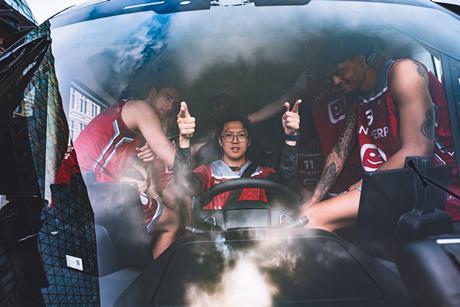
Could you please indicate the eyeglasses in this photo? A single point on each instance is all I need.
(240, 136)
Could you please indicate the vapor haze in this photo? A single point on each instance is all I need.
(186, 47)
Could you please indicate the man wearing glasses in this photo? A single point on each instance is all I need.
(234, 139)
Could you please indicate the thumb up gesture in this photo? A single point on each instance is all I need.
(291, 118)
(186, 124)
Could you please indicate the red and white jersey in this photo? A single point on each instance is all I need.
(106, 147)
(328, 106)
(378, 124)
(218, 172)
(378, 137)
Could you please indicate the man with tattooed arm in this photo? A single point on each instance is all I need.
(401, 111)
(329, 114)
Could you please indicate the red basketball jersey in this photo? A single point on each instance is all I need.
(218, 172)
(378, 125)
(106, 147)
(328, 107)
(378, 137)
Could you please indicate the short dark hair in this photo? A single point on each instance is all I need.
(235, 118)
(336, 48)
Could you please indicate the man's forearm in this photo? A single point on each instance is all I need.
(336, 159)
(184, 142)
(265, 112)
(274, 107)
(331, 170)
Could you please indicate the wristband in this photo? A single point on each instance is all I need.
(293, 138)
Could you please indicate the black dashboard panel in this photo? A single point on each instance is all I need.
(308, 268)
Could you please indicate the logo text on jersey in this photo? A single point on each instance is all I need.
(336, 110)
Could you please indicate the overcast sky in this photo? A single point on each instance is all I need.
(43, 9)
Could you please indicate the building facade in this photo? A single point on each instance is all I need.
(84, 105)
(66, 221)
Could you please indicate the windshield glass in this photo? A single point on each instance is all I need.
(252, 55)
(160, 108)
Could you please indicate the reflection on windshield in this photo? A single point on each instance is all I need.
(167, 108)
(124, 91)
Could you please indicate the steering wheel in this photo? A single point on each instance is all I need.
(233, 214)
(235, 184)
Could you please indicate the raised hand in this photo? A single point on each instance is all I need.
(186, 124)
(145, 153)
(291, 118)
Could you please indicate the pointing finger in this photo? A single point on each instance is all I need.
(296, 106)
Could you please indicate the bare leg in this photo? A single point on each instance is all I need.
(162, 242)
(334, 213)
(167, 228)
(166, 231)
(176, 214)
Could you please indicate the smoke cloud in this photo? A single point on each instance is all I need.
(117, 205)
(251, 276)
(243, 284)
(186, 47)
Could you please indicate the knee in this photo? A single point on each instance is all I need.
(169, 221)
(168, 194)
(317, 218)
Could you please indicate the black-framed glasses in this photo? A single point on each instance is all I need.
(229, 136)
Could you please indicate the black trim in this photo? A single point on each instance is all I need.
(104, 9)
(452, 104)
(451, 7)
(17, 66)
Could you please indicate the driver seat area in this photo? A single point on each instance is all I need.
(124, 249)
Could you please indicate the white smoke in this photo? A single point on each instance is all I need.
(227, 37)
(198, 42)
(246, 280)
(122, 206)
(248, 277)
(222, 247)
(243, 284)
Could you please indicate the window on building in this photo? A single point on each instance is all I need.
(73, 98)
(72, 129)
(83, 105)
(94, 110)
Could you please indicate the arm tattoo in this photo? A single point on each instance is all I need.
(327, 179)
(336, 158)
(428, 124)
(346, 139)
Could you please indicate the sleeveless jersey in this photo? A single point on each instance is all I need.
(378, 125)
(106, 147)
(217, 172)
(328, 108)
